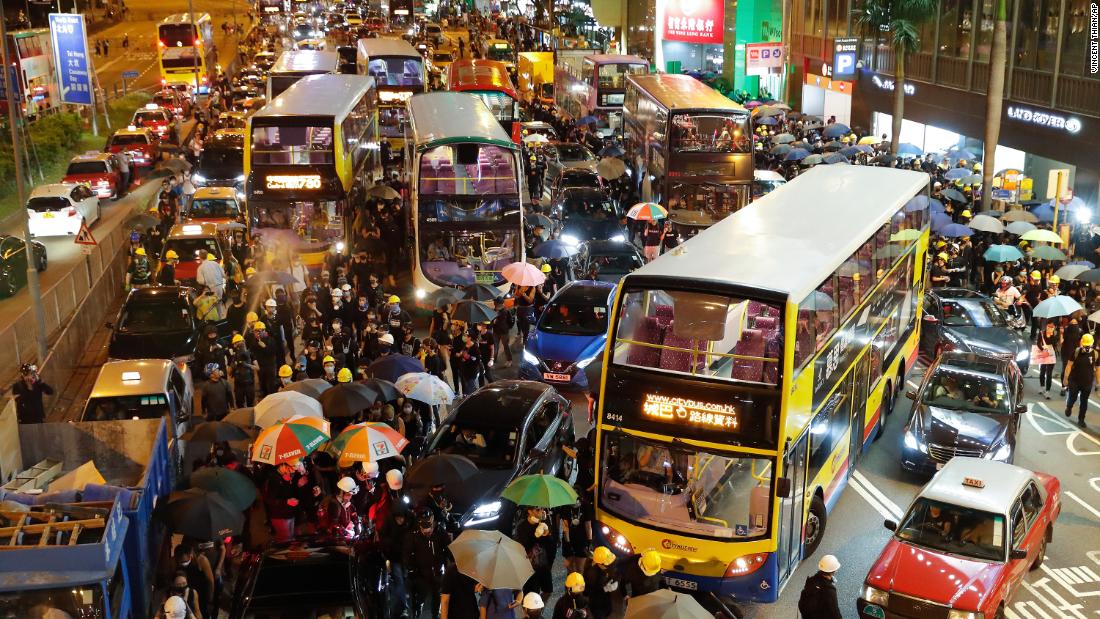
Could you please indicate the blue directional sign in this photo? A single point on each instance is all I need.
(129, 75)
(70, 56)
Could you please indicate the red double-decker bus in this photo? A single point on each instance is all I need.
(489, 80)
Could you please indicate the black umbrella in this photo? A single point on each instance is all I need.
(313, 387)
(1091, 276)
(955, 195)
(481, 292)
(441, 469)
(833, 146)
(885, 158)
(384, 387)
(202, 515)
(347, 400)
(613, 150)
(447, 296)
(142, 220)
(473, 312)
(216, 432)
(234, 487)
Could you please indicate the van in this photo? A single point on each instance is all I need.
(765, 182)
(141, 389)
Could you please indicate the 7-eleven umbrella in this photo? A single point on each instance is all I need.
(425, 387)
(279, 406)
(540, 491)
(317, 423)
(367, 442)
(286, 442)
(523, 274)
(646, 211)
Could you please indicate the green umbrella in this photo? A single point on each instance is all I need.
(1046, 252)
(235, 488)
(540, 491)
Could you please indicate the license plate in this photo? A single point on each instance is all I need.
(47, 215)
(679, 583)
(939, 465)
(553, 376)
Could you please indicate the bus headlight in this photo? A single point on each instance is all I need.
(745, 565)
(617, 540)
(875, 596)
(420, 294)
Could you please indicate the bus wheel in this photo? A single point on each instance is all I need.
(889, 399)
(815, 525)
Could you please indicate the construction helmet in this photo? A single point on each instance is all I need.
(533, 601)
(828, 564)
(1036, 275)
(285, 372)
(575, 582)
(344, 375)
(347, 484)
(1087, 339)
(175, 608)
(546, 268)
(250, 271)
(171, 255)
(943, 256)
(328, 359)
(966, 213)
(270, 303)
(393, 299)
(650, 562)
(237, 339)
(602, 555)
(1054, 280)
(251, 317)
(258, 326)
(394, 479)
(139, 251)
(210, 256)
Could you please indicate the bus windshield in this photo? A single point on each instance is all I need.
(294, 145)
(614, 75)
(396, 71)
(955, 529)
(500, 51)
(710, 133)
(177, 35)
(702, 334)
(684, 488)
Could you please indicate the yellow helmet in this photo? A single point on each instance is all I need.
(259, 326)
(574, 582)
(250, 271)
(602, 555)
(344, 375)
(210, 256)
(1054, 280)
(650, 562)
(393, 299)
(251, 317)
(139, 251)
(977, 167)
(966, 213)
(1036, 275)
(171, 255)
(285, 372)
(943, 256)
(328, 359)
(546, 268)
(1087, 339)
(941, 244)
(237, 338)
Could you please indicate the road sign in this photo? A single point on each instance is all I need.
(70, 56)
(84, 237)
(129, 75)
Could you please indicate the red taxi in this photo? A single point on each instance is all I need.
(174, 101)
(191, 242)
(100, 171)
(139, 142)
(965, 544)
(159, 119)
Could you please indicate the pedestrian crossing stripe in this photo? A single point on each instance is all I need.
(84, 237)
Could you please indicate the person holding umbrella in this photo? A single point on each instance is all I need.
(539, 539)
(652, 237)
(498, 603)
(459, 599)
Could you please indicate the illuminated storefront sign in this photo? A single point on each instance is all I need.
(693, 412)
(390, 96)
(887, 83)
(1044, 119)
(693, 21)
(294, 181)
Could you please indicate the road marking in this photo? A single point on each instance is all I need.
(1070, 494)
(1071, 434)
(890, 505)
(876, 499)
(1059, 604)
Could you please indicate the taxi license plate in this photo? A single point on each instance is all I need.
(680, 583)
(47, 215)
(939, 465)
(553, 376)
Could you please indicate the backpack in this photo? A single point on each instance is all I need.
(809, 604)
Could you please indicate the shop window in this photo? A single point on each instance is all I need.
(1075, 47)
(813, 18)
(837, 19)
(1027, 33)
(956, 25)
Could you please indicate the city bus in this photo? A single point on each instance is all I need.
(466, 212)
(749, 368)
(488, 79)
(310, 154)
(688, 148)
(186, 51)
(31, 55)
(295, 64)
(595, 85)
(398, 72)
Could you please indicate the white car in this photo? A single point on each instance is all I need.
(58, 209)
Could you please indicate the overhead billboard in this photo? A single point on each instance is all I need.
(693, 21)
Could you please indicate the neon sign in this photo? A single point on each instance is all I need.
(693, 412)
(1044, 119)
(294, 181)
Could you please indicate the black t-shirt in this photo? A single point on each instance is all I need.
(463, 601)
(1084, 366)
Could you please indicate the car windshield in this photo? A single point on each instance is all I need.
(71, 601)
(574, 152)
(150, 117)
(954, 529)
(978, 390)
(86, 167)
(579, 178)
(186, 247)
(972, 313)
(135, 139)
(45, 204)
(684, 489)
(222, 158)
(213, 208)
(153, 318)
(587, 205)
(616, 263)
(166, 100)
(488, 445)
(568, 318)
(152, 406)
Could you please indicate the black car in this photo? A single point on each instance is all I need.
(157, 322)
(588, 214)
(508, 428)
(308, 578)
(964, 320)
(968, 405)
(221, 163)
(13, 263)
(573, 177)
(609, 260)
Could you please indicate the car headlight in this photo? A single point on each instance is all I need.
(486, 512)
(198, 179)
(1001, 454)
(584, 363)
(239, 179)
(875, 596)
(964, 614)
(619, 238)
(529, 357)
(1024, 354)
(912, 442)
(569, 239)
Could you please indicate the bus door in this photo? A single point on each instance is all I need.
(791, 509)
(859, 409)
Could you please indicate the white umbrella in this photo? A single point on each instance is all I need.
(1095, 316)
(425, 387)
(665, 604)
(1059, 305)
(536, 138)
(985, 223)
(384, 192)
(285, 404)
(611, 168)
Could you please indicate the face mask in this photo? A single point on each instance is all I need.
(178, 590)
(285, 381)
(330, 369)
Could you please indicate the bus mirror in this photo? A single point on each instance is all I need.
(890, 525)
(783, 488)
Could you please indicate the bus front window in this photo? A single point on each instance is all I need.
(614, 75)
(711, 133)
(396, 72)
(680, 488)
(293, 145)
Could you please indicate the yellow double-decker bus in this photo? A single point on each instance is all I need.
(186, 52)
(398, 71)
(749, 368)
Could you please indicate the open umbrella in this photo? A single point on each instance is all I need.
(835, 130)
(833, 158)
(1070, 271)
(273, 277)
(1003, 253)
(367, 442)
(278, 406)
(1043, 213)
(613, 150)
(425, 387)
(443, 297)
(313, 387)
(556, 249)
(1019, 227)
(347, 400)
(766, 111)
(985, 223)
(955, 174)
(780, 150)
(540, 491)
(1019, 215)
(1047, 252)
(216, 432)
(812, 160)
(588, 120)
(611, 168)
(1058, 305)
(647, 211)
(954, 231)
(796, 154)
(320, 424)
(994, 213)
(473, 312)
(868, 140)
(535, 138)
(286, 442)
(245, 417)
(492, 559)
(833, 146)
(386, 390)
(906, 235)
(955, 195)
(142, 221)
(537, 219)
(911, 150)
(391, 367)
(202, 515)
(480, 292)
(523, 274)
(1092, 276)
(885, 159)
(954, 155)
(1095, 316)
(784, 138)
(973, 179)
(1045, 236)
(440, 470)
(1083, 263)
(234, 487)
(384, 192)
(940, 220)
(665, 604)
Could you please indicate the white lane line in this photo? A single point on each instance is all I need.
(912, 384)
(886, 502)
(1070, 494)
(867, 496)
(1059, 383)
(1072, 435)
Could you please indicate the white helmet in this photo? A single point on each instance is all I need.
(346, 288)
(337, 293)
(828, 564)
(386, 338)
(371, 469)
(269, 303)
(394, 479)
(175, 608)
(347, 484)
(533, 601)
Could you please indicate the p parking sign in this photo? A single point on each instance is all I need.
(845, 54)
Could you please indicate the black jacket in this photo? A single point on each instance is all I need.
(28, 401)
(818, 599)
(424, 555)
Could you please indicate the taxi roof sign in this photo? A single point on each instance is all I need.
(151, 106)
(128, 376)
(973, 482)
(192, 229)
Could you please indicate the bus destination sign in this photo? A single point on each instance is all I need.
(294, 181)
(692, 412)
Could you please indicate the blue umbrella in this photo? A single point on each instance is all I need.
(1084, 263)
(910, 149)
(850, 151)
(614, 150)
(940, 220)
(555, 249)
(588, 120)
(780, 149)
(797, 154)
(1073, 204)
(917, 203)
(1003, 253)
(1044, 212)
(392, 367)
(954, 231)
(864, 148)
(962, 153)
(836, 130)
(835, 158)
(1059, 305)
(936, 206)
(837, 161)
(767, 120)
(955, 174)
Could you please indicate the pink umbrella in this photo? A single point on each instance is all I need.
(523, 274)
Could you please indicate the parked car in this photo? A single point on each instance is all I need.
(59, 209)
(965, 544)
(962, 319)
(587, 214)
(217, 205)
(574, 177)
(100, 171)
(611, 260)
(562, 155)
(170, 99)
(537, 126)
(570, 334)
(158, 322)
(141, 389)
(161, 120)
(508, 428)
(967, 405)
(13, 263)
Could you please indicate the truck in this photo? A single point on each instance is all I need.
(535, 77)
(84, 543)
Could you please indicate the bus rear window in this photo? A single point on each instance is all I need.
(396, 71)
(614, 75)
(152, 406)
(700, 334)
(177, 35)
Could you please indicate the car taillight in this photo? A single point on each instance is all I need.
(72, 211)
(617, 540)
(746, 564)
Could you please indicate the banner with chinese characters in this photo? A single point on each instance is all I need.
(762, 58)
(694, 21)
